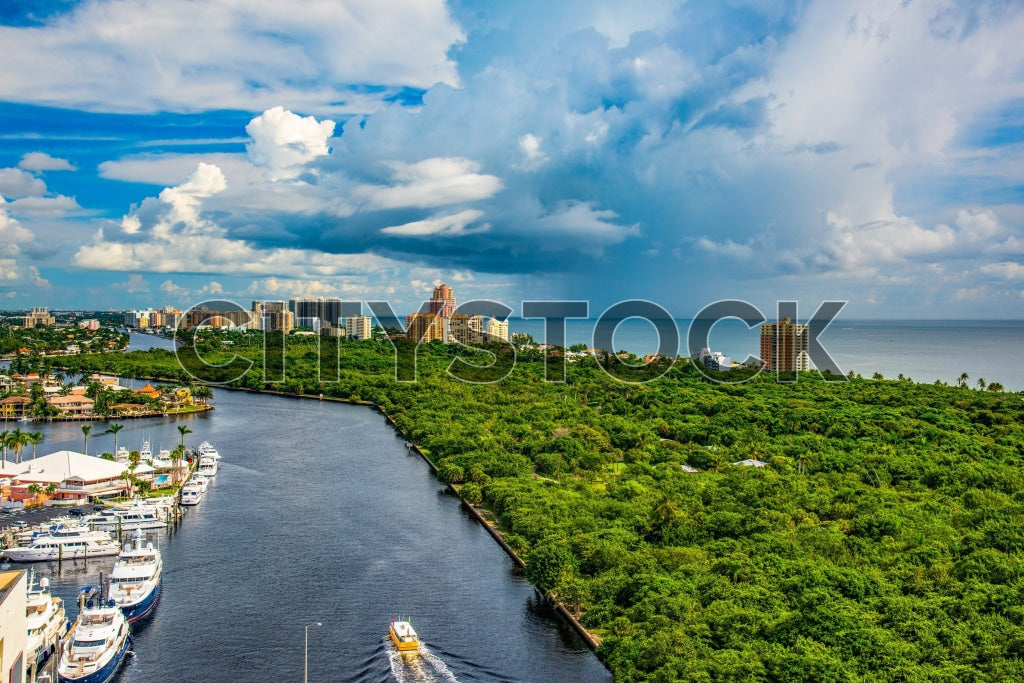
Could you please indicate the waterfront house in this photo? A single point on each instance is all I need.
(130, 409)
(72, 405)
(148, 391)
(13, 407)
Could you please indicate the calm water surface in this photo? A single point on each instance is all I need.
(319, 514)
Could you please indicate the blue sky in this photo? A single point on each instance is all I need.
(163, 152)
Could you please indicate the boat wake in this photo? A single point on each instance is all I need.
(422, 666)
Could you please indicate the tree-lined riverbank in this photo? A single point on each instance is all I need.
(881, 541)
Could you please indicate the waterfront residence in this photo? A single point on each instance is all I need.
(14, 407)
(13, 625)
(72, 405)
(148, 391)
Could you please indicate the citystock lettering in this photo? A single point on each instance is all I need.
(787, 347)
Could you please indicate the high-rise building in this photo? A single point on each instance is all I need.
(316, 311)
(359, 326)
(427, 327)
(40, 315)
(273, 316)
(443, 302)
(467, 329)
(784, 346)
(497, 329)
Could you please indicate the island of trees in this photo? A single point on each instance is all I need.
(875, 533)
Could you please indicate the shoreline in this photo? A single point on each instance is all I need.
(111, 418)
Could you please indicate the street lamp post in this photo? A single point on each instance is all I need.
(305, 654)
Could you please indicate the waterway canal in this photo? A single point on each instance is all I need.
(319, 514)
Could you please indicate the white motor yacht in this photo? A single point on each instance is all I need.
(98, 643)
(135, 579)
(64, 543)
(207, 466)
(46, 621)
(191, 493)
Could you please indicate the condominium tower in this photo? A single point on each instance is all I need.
(784, 346)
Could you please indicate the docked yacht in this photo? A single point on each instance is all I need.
(145, 453)
(64, 543)
(122, 455)
(205, 450)
(207, 466)
(135, 579)
(192, 492)
(137, 516)
(47, 622)
(97, 646)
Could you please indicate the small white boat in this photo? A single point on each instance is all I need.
(47, 622)
(135, 579)
(64, 543)
(146, 453)
(98, 644)
(122, 455)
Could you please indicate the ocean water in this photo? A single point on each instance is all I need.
(924, 350)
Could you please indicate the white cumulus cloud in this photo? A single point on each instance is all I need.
(283, 142)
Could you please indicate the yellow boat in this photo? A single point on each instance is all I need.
(402, 635)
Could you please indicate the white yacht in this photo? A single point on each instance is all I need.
(135, 579)
(208, 451)
(97, 646)
(207, 466)
(64, 543)
(122, 455)
(146, 453)
(46, 620)
(199, 480)
(191, 493)
(137, 516)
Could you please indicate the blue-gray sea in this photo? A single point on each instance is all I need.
(924, 350)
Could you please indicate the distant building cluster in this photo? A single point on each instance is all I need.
(324, 316)
(168, 316)
(442, 323)
(784, 346)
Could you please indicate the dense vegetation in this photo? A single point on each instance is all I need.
(20, 344)
(883, 541)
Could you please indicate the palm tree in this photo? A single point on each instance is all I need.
(3, 442)
(17, 441)
(183, 430)
(114, 428)
(85, 431)
(34, 438)
(962, 379)
(981, 383)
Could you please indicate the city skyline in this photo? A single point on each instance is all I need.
(677, 153)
